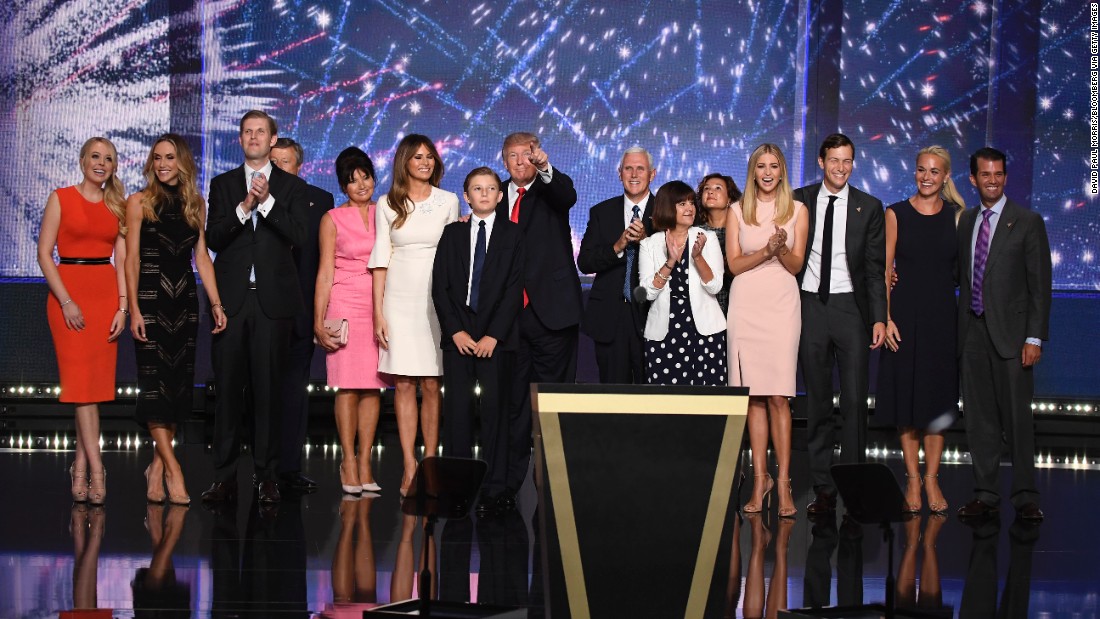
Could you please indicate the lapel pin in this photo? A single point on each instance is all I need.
(859, 209)
(1009, 224)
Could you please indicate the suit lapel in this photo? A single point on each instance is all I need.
(854, 224)
(1006, 223)
(464, 251)
(811, 204)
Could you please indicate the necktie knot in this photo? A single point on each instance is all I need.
(521, 191)
(987, 213)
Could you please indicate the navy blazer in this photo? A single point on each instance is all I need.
(549, 275)
(1016, 288)
(500, 295)
(597, 255)
(269, 246)
(864, 246)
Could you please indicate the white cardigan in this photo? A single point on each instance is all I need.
(705, 310)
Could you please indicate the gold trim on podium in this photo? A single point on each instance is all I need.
(549, 406)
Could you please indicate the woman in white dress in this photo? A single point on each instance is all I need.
(410, 219)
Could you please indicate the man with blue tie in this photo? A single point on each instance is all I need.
(477, 289)
(613, 318)
(1004, 313)
(253, 225)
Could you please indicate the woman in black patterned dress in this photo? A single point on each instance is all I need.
(166, 220)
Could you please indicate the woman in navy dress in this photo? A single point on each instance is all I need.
(918, 381)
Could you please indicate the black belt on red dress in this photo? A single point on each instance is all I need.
(86, 261)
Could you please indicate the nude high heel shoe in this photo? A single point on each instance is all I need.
(97, 488)
(756, 508)
(79, 478)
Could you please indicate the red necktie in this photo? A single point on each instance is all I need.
(515, 220)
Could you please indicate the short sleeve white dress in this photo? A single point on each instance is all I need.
(408, 253)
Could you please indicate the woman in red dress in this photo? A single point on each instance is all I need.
(86, 307)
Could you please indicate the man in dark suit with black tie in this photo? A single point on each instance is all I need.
(539, 198)
(1004, 314)
(613, 318)
(288, 156)
(253, 225)
(477, 288)
(843, 294)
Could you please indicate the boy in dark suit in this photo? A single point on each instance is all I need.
(477, 288)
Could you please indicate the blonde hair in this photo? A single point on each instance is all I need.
(154, 194)
(114, 193)
(784, 198)
(949, 191)
(398, 195)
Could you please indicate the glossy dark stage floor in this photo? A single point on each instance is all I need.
(323, 555)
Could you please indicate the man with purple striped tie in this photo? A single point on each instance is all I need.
(1004, 312)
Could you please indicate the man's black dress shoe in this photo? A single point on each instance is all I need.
(297, 482)
(268, 491)
(220, 492)
(506, 501)
(978, 509)
(825, 503)
(1030, 512)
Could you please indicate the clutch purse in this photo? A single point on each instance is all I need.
(340, 324)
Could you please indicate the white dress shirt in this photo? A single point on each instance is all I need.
(840, 279)
(474, 219)
(628, 213)
(263, 207)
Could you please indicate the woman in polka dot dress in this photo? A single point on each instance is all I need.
(681, 269)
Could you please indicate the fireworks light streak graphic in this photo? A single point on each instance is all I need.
(697, 82)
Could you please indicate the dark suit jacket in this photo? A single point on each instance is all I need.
(500, 295)
(597, 255)
(864, 245)
(307, 256)
(1017, 282)
(549, 275)
(269, 246)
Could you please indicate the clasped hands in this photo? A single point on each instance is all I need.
(258, 193)
(633, 233)
(777, 243)
(466, 345)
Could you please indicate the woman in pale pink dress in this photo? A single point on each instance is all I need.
(765, 247)
(345, 292)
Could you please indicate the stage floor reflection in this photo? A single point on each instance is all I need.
(329, 555)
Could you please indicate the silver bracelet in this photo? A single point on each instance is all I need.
(64, 303)
(664, 277)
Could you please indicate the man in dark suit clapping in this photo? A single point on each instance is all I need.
(289, 156)
(477, 288)
(253, 225)
(613, 318)
(843, 310)
(538, 198)
(1004, 314)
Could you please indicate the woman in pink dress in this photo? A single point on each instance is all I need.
(345, 292)
(765, 247)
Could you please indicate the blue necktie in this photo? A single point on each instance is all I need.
(631, 255)
(253, 214)
(479, 262)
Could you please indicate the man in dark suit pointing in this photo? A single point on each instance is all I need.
(253, 226)
(843, 294)
(1004, 313)
(613, 319)
(538, 197)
